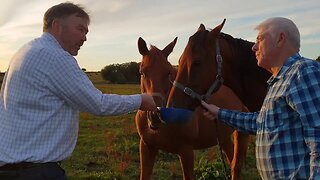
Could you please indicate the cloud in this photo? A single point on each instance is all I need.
(117, 24)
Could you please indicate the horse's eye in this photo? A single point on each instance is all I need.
(142, 73)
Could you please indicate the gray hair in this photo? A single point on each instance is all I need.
(277, 24)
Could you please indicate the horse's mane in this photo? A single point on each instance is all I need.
(238, 45)
(241, 48)
(237, 41)
(155, 53)
(153, 47)
(244, 62)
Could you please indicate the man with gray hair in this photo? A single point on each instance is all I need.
(41, 96)
(287, 127)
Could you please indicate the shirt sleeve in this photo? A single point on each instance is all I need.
(242, 121)
(71, 84)
(305, 99)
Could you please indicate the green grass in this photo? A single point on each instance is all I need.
(96, 77)
(108, 148)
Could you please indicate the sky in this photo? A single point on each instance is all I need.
(116, 25)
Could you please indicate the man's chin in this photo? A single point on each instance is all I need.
(75, 53)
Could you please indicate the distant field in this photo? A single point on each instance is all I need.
(96, 77)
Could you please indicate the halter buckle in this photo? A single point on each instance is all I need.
(218, 77)
(188, 91)
(219, 58)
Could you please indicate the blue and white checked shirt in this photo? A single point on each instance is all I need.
(287, 127)
(41, 95)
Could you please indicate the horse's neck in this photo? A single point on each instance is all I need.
(243, 75)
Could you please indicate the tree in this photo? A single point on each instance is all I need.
(112, 73)
(131, 72)
(121, 73)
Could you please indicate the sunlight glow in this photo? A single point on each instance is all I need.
(117, 25)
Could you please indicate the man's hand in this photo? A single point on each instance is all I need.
(147, 103)
(212, 110)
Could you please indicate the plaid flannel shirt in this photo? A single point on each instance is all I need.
(287, 127)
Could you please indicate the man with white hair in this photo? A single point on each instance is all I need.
(287, 127)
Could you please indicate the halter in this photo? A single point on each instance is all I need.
(154, 123)
(213, 88)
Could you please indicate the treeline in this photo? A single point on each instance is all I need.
(125, 73)
(122, 73)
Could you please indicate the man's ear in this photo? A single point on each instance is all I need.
(56, 25)
(281, 39)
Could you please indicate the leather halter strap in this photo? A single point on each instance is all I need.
(215, 85)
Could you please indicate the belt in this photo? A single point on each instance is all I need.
(23, 165)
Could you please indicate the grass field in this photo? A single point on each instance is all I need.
(108, 148)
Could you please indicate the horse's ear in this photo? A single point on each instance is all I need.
(142, 46)
(214, 32)
(169, 48)
(201, 28)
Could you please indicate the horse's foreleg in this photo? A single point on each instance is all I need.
(228, 148)
(147, 159)
(187, 162)
(241, 142)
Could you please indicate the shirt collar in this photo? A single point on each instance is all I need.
(291, 60)
(49, 37)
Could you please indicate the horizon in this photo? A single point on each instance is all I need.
(116, 25)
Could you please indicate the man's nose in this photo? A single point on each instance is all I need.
(84, 38)
(254, 47)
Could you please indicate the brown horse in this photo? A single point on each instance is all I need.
(212, 59)
(198, 68)
(156, 74)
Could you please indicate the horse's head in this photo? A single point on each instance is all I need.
(197, 68)
(156, 71)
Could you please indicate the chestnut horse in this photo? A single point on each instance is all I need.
(211, 59)
(156, 74)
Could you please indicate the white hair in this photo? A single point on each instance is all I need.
(277, 24)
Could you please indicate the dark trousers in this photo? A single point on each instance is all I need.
(45, 171)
